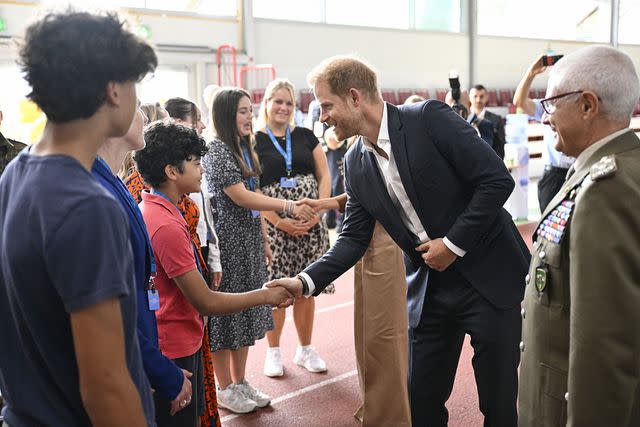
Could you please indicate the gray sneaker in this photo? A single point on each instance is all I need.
(234, 400)
(249, 392)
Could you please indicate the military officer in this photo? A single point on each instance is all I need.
(581, 316)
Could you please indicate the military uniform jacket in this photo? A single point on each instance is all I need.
(581, 316)
(8, 150)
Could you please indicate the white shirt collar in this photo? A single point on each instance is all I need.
(383, 133)
(589, 151)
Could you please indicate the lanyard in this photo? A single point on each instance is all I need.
(247, 158)
(288, 157)
(195, 252)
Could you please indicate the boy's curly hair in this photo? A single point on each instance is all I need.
(69, 57)
(167, 143)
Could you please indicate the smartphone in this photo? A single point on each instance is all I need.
(548, 60)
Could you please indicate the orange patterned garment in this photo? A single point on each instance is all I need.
(191, 215)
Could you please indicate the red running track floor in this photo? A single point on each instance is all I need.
(301, 398)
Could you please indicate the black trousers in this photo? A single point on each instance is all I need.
(453, 308)
(190, 415)
(550, 183)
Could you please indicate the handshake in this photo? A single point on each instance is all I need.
(307, 213)
(309, 207)
(282, 292)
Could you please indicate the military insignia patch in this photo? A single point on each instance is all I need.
(553, 225)
(604, 168)
(541, 279)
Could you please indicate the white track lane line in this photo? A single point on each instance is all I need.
(327, 309)
(300, 392)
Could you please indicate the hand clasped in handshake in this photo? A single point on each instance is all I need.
(291, 286)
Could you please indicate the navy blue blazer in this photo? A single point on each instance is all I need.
(457, 185)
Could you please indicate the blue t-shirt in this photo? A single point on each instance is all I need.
(64, 247)
(164, 375)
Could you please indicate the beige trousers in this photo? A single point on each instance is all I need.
(380, 329)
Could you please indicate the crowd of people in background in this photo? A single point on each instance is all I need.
(189, 216)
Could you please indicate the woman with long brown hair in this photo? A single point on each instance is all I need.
(233, 170)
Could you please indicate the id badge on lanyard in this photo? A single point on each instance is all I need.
(288, 182)
(285, 181)
(153, 296)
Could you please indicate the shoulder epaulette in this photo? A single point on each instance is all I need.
(604, 168)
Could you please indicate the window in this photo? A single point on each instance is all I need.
(204, 7)
(370, 13)
(582, 20)
(167, 82)
(23, 120)
(629, 17)
(95, 4)
(438, 15)
(292, 10)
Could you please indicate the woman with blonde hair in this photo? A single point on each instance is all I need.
(294, 166)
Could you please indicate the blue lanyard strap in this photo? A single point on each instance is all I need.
(195, 252)
(247, 159)
(288, 156)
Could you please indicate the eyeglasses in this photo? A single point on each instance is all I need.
(549, 104)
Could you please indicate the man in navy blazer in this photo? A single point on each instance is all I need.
(438, 190)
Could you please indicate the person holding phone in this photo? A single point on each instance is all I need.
(556, 164)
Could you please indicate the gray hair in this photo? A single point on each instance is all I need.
(606, 71)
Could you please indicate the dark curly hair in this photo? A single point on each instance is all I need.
(69, 57)
(167, 143)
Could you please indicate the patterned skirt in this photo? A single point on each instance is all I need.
(292, 254)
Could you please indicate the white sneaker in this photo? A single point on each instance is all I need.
(234, 400)
(256, 396)
(273, 363)
(307, 357)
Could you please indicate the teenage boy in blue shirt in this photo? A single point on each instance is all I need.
(70, 354)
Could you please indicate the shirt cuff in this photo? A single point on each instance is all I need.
(453, 248)
(312, 286)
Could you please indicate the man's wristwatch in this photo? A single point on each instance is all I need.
(305, 285)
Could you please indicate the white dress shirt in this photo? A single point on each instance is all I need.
(393, 184)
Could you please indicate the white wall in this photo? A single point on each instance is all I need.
(403, 59)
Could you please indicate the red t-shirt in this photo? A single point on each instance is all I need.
(180, 326)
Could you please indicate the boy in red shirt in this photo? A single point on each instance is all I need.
(170, 164)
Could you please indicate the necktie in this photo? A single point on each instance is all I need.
(472, 118)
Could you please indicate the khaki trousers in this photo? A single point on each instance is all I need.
(380, 329)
